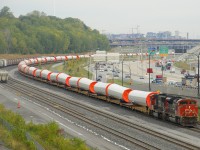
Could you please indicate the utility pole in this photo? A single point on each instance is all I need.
(122, 73)
(137, 28)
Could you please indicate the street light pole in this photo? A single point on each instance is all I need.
(198, 75)
(122, 73)
(162, 71)
(88, 70)
(149, 73)
(149, 70)
(96, 71)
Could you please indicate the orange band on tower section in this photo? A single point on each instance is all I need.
(28, 69)
(34, 72)
(107, 89)
(78, 82)
(49, 76)
(91, 87)
(57, 76)
(41, 73)
(24, 69)
(125, 95)
(148, 98)
(67, 81)
(55, 58)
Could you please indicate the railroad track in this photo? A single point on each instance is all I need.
(196, 129)
(82, 117)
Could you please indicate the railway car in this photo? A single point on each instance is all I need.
(100, 88)
(26, 69)
(63, 78)
(45, 74)
(3, 76)
(38, 73)
(118, 92)
(3, 62)
(31, 70)
(86, 84)
(183, 110)
(73, 82)
(53, 76)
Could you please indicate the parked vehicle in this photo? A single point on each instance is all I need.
(116, 75)
(127, 76)
(183, 71)
(168, 65)
(178, 84)
(171, 83)
(141, 77)
(157, 81)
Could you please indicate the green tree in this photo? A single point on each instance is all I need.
(5, 12)
(38, 33)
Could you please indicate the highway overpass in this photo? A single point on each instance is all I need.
(179, 45)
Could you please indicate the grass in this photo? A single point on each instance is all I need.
(47, 135)
(75, 68)
(45, 66)
(10, 141)
(119, 82)
(182, 65)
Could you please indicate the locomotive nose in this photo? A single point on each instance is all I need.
(189, 111)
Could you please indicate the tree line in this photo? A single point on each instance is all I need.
(36, 32)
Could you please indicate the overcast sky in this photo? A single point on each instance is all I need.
(120, 16)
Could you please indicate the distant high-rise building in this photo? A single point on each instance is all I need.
(151, 35)
(164, 35)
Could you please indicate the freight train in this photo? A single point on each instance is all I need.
(10, 62)
(182, 110)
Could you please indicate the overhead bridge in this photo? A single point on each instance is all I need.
(179, 45)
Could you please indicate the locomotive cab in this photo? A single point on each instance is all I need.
(187, 112)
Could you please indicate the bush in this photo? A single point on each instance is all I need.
(48, 135)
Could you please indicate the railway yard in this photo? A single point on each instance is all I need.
(100, 122)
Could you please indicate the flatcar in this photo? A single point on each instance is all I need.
(183, 110)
